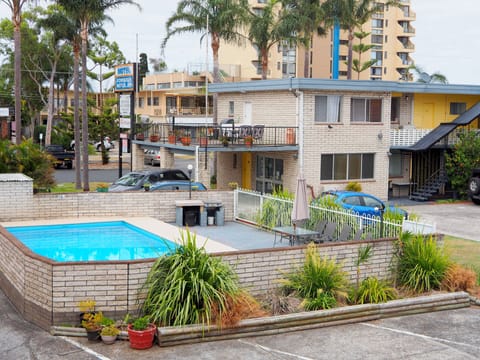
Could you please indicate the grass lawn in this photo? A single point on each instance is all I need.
(464, 252)
(70, 187)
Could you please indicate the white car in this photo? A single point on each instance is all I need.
(98, 146)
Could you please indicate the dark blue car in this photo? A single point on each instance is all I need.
(362, 203)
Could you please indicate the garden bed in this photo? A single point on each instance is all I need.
(170, 336)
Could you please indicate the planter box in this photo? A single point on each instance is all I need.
(169, 336)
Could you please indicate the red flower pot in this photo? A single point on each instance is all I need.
(141, 339)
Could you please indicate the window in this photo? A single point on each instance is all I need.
(149, 101)
(346, 166)
(156, 101)
(457, 108)
(366, 110)
(269, 174)
(327, 108)
(377, 23)
(377, 39)
(231, 108)
(140, 102)
(395, 110)
(165, 85)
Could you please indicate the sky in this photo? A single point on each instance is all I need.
(447, 38)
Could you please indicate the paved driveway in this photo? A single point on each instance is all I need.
(458, 219)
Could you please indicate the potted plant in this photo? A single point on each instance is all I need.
(92, 324)
(172, 137)
(141, 333)
(109, 334)
(224, 141)
(186, 139)
(154, 137)
(102, 187)
(248, 140)
(202, 137)
(86, 307)
(140, 136)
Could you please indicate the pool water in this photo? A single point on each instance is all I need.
(99, 241)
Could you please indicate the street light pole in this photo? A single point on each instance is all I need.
(190, 168)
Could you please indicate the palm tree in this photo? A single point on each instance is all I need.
(219, 19)
(87, 12)
(351, 15)
(271, 25)
(16, 9)
(307, 16)
(426, 78)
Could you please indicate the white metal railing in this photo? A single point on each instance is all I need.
(248, 206)
(407, 136)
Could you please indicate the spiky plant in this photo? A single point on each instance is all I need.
(374, 291)
(184, 287)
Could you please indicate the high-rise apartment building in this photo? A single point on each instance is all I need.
(391, 33)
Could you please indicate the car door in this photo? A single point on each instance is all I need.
(372, 205)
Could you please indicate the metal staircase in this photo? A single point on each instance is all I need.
(430, 187)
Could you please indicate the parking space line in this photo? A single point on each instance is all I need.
(84, 348)
(426, 337)
(270, 350)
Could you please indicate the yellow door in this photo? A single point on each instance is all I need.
(428, 117)
(247, 170)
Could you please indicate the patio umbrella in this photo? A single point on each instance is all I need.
(301, 210)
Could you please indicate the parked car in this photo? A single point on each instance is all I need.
(177, 185)
(135, 180)
(107, 142)
(63, 157)
(474, 186)
(361, 203)
(151, 157)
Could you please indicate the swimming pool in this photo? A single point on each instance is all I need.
(96, 241)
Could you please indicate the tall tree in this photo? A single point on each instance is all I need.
(16, 9)
(275, 24)
(222, 19)
(351, 15)
(86, 12)
(361, 48)
(142, 67)
(307, 17)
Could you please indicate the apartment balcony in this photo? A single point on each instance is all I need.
(218, 137)
(410, 136)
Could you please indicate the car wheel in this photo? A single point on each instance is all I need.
(474, 186)
(476, 201)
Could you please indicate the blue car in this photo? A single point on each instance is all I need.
(361, 203)
(177, 185)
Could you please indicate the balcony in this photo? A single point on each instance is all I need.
(218, 136)
(406, 137)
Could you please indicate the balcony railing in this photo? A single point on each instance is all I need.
(406, 137)
(208, 136)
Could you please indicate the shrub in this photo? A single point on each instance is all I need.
(458, 278)
(323, 300)
(421, 263)
(353, 186)
(184, 287)
(374, 291)
(110, 330)
(317, 276)
(238, 307)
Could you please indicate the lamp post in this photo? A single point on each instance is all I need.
(190, 168)
(40, 137)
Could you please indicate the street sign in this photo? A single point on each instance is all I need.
(125, 105)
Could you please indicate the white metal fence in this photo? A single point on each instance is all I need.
(252, 206)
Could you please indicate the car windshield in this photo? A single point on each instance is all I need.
(129, 180)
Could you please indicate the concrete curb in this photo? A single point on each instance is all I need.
(170, 336)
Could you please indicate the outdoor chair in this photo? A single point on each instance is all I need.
(328, 233)
(344, 233)
(319, 227)
(258, 131)
(245, 130)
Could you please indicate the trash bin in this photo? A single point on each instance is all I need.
(215, 213)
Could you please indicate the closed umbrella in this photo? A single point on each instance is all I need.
(301, 210)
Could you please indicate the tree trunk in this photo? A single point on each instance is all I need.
(17, 19)
(76, 115)
(51, 105)
(264, 64)
(84, 35)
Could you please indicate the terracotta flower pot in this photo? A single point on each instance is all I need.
(141, 339)
(154, 138)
